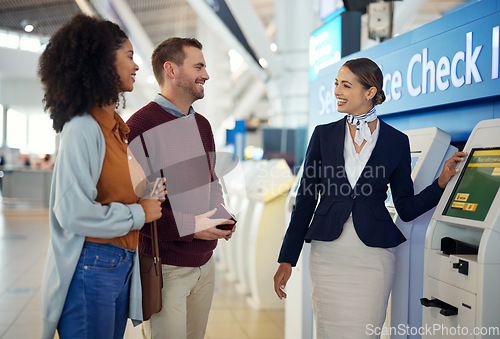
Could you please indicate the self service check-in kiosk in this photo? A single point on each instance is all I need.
(298, 308)
(258, 205)
(462, 246)
(238, 256)
(264, 220)
(237, 202)
(430, 148)
(229, 259)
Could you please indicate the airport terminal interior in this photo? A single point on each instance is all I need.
(272, 65)
(24, 241)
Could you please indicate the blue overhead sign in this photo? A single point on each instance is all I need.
(325, 47)
(427, 67)
(339, 37)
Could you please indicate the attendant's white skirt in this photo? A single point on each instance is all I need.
(350, 283)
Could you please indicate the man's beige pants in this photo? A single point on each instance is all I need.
(187, 298)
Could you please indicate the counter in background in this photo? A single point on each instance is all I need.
(26, 186)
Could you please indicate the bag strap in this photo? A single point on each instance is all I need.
(154, 239)
(154, 233)
(154, 244)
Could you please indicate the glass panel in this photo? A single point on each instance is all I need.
(16, 130)
(1, 125)
(41, 136)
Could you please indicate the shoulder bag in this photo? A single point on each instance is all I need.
(151, 278)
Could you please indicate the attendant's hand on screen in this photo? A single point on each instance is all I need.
(450, 168)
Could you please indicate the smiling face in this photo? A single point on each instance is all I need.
(126, 67)
(352, 97)
(192, 74)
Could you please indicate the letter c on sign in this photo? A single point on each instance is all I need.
(457, 82)
(414, 91)
(387, 78)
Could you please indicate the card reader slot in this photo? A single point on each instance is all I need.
(446, 309)
(454, 246)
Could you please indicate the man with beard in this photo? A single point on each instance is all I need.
(179, 145)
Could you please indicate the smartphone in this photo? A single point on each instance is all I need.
(155, 187)
(232, 216)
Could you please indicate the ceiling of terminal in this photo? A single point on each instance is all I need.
(151, 21)
(45, 15)
(159, 18)
(164, 18)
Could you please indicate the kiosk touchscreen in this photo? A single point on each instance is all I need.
(477, 185)
(430, 148)
(462, 246)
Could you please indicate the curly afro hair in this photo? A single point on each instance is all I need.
(77, 68)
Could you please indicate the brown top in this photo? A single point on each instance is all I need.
(115, 183)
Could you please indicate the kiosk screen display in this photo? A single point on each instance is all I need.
(477, 185)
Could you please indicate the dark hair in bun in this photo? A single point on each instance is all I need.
(369, 75)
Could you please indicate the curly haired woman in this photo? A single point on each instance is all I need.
(91, 284)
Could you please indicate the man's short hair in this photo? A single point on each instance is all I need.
(172, 50)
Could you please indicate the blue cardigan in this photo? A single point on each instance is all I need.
(324, 179)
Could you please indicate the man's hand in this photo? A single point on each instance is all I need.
(231, 234)
(205, 228)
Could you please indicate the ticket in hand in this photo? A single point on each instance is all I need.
(231, 215)
(155, 187)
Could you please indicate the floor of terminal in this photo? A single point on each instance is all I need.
(24, 236)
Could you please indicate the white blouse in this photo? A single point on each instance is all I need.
(356, 162)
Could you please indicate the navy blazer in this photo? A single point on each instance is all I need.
(324, 179)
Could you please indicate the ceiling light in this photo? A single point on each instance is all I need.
(27, 26)
(263, 62)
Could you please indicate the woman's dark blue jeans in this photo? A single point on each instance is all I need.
(97, 302)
